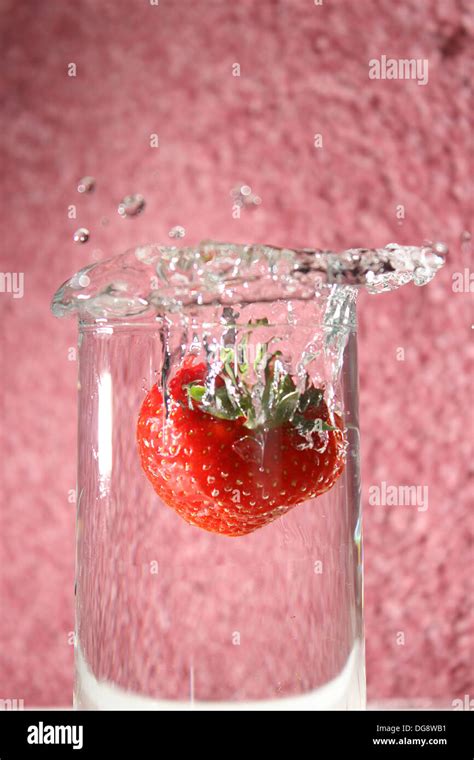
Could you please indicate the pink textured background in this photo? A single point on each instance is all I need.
(143, 69)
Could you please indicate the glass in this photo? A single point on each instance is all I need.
(219, 557)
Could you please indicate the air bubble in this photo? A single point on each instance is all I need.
(81, 235)
(131, 205)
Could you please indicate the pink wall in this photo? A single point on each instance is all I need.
(143, 69)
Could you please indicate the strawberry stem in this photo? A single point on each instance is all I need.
(270, 401)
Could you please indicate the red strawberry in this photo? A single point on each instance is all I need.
(227, 468)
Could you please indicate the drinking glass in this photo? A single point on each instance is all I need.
(224, 570)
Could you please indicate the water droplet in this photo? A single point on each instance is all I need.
(249, 448)
(86, 185)
(131, 205)
(81, 235)
(441, 248)
(177, 232)
(244, 197)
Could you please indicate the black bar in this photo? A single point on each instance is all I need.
(411, 734)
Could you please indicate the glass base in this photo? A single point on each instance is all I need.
(345, 692)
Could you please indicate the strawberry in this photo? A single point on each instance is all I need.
(230, 457)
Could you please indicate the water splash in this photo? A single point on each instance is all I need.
(155, 279)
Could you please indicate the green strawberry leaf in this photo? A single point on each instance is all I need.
(196, 392)
(285, 408)
(310, 397)
(222, 405)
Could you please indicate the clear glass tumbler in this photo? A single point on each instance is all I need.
(219, 557)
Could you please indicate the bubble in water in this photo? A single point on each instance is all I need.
(177, 232)
(131, 205)
(86, 185)
(245, 190)
(81, 235)
(80, 280)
